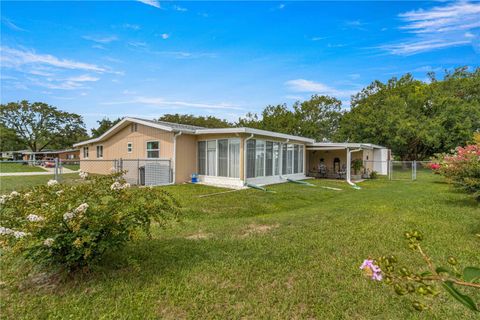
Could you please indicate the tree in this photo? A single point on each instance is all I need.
(318, 118)
(103, 126)
(416, 119)
(201, 121)
(9, 141)
(39, 125)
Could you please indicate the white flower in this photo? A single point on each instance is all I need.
(69, 215)
(19, 234)
(14, 194)
(59, 192)
(52, 182)
(4, 230)
(48, 242)
(28, 194)
(81, 208)
(113, 170)
(34, 218)
(83, 175)
(118, 186)
(3, 199)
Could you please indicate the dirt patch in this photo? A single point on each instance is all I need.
(199, 236)
(253, 229)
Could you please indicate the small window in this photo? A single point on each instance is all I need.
(129, 147)
(133, 127)
(153, 149)
(99, 151)
(85, 152)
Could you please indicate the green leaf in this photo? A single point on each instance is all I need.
(471, 274)
(426, 273)
(442, 270)
(463, 299)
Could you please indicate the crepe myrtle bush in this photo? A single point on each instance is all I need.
(72, 226)
(428, 284)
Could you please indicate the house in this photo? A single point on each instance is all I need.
(158, 152)
(67, 154)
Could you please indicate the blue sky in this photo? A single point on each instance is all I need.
(145, 58)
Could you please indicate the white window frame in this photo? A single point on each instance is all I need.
(129, 146)
(88, 152)
(96, 151)
(238, 140)
(146, 149)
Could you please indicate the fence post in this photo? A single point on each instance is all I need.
(56, 169)
(414, 170)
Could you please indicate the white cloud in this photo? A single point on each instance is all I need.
(98, 39)
(181, 9)
(69, 83)
(438, 28)
(302, 85)
(137, 44)
(164, 103)
(317, 38)
(153, 3)
(131, 26)
(165, 36)
(281, 6)
(15, 58)
(11, 25)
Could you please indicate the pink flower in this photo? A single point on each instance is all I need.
(372, 269)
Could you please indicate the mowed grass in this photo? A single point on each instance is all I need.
(293, 254)
(19, 183)
(74, 167)
(9, 167)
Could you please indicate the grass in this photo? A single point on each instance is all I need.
(74, 167)
(18, 183)
(9, 167)
(250, 254)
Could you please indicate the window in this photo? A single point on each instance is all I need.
(234, 158)
(251, 158)
(259, 158)
(289, 158)
(300, 159)
(99, 151)
(276, 158)
(134, 127)
(223, 158)
(295, 158)
(129, 147)
(153, 149)
(202, 157)
(269, 158)
(85, 152)
(211, 157)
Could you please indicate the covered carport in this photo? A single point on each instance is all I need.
(334, 160)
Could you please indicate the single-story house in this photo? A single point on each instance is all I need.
(158, 152)
(67, 154)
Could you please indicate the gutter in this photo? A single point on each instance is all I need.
(175, 155)
(349, 166)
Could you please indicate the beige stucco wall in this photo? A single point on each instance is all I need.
(186, 159)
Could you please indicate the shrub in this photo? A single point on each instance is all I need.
(72, 226)
(462, 168)
(357, 165)
(373, 175)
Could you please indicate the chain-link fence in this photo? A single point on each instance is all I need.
(149, 172)
(396, 170)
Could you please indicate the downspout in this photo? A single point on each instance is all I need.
(349, 167)
(175, 155)
(245, 158)
(281, 160)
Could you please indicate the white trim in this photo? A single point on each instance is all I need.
(174, 155)
(83, 152)
(254, 131)
(131, 145)
(146, 149)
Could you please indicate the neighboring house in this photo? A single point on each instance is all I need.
(68, 154)
(11, 155)
(171, 153)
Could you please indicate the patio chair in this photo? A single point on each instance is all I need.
(322, 171)
(342, 174)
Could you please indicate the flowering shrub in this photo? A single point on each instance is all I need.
(427, 284)
(462, 168)
(73, 225)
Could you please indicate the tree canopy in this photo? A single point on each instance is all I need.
(414, 118)
(103, 126)
(39, 125)
(201, 121)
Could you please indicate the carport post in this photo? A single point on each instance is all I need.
(349, 164)
(56, 169)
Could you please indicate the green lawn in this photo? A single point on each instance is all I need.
(18, 183)
(74, 167)
(292, 254)
(7, 167)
